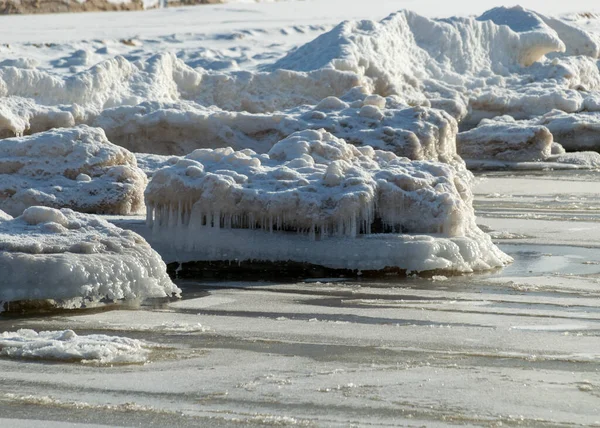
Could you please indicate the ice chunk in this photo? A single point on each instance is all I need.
(68, 346)
(4, 216)
(580, 131)
(314, 198)
(60, 255)
(505, 139)
(76, 168)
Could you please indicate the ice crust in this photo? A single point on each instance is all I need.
(314, 198)
(74, 168)
(60, 254)
(68, 346)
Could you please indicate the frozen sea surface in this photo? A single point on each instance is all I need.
(515, 347)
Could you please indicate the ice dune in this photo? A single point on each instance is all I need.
(63, 255)
(419, 133)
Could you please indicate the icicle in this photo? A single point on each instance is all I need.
(149, 215)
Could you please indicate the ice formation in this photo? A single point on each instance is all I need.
(74, 168)
(314, 198)
(579, 131)
(60, 254)
(68, 346)
(419, 133)
(509, 61)
(503, 138)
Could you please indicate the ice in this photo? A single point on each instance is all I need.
(74, 168)
(503, 138)
(580, 131)
(68, 346)
(471, 68)
(419, 133)
(314, 198)
(60, 254)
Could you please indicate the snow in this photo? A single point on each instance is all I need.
(75, 167)
(67, 346)
(226, 205)
(60, 254)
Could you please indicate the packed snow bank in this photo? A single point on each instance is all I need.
(50, 254)
(74, 168)
(68, 346)
(165, 78)
(314, 198)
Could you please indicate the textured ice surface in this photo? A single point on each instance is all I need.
(50, 254)
(66, 345)
(503, 138)
(74, 168)
(508, 61)
(314, 198)
(579, 131)
(419, 133)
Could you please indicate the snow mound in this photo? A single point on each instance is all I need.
(50, 254)
(579, 160)
(503, 138)
(76, 168)
(310, 199)
(67, 346)
(576, 40)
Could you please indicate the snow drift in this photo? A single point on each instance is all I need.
(74, 168)
(60, 254)
(314, 198)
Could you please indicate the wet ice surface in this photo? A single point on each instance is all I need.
(518, 346)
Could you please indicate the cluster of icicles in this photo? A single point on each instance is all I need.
(387, 216)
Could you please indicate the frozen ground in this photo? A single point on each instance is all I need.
(518, 347)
